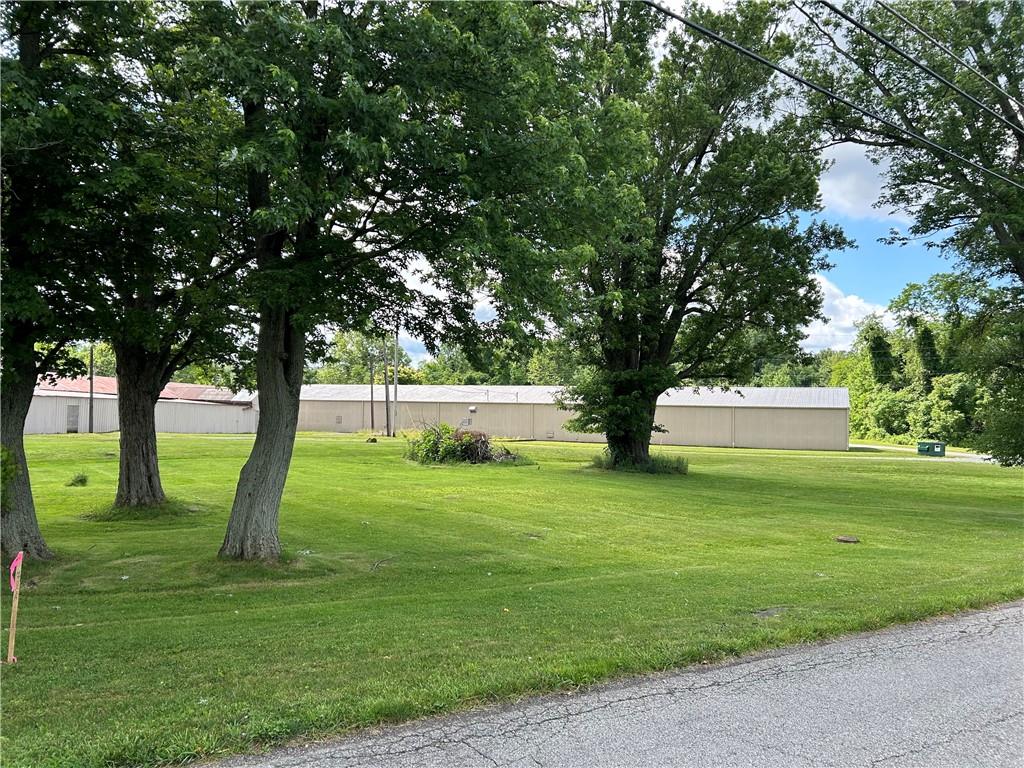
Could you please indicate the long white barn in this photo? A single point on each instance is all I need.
(814, 418)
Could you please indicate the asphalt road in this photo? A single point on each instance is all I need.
(947, 692)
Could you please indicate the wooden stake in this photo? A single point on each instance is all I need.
(14, 615)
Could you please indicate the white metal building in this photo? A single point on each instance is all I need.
(815, 418)
(746, 417)
(57, 412)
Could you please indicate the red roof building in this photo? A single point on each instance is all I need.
(107, 385)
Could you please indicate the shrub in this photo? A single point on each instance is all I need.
(79, 480)
(891, 410)
(658, 464)
(949, 411)
(443, 444)
(435, 444)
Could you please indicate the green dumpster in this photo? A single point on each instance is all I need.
(931, 448)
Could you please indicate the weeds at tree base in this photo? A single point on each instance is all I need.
(658, 464)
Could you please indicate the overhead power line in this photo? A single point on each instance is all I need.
(920, 65)
(826, 92)
(949, 52)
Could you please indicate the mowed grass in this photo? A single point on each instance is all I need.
(410, 590)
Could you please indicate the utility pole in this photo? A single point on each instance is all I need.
(395, 420)
(92, 384)
(387, 392)
(369, 356)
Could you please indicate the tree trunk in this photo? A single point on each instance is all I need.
(19, 529)
(252, 532)
(630, 444)
(139, 381)
(630, 449)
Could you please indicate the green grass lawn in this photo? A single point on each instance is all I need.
(409, 590)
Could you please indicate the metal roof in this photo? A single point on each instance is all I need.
(107, 385)
(40, 392)
(738, 397)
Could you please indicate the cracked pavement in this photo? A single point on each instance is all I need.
(944, 692)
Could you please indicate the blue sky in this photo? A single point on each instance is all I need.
(873, 270)
(864, 279)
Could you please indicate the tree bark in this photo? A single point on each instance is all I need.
(19, 528)
(139, 381)
(630, 444)
(252, 532)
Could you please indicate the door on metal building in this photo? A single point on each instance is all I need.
(73, 418)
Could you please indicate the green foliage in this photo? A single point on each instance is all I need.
(930, 364)
(953, 323)
(60, 93)
(353, 355)
(554, 363)
(104, 362)
(438, 444)
(1001, 414)
(874, 338)
(891, 412)
(853, 371)
(79, 480)
(512, 360)
(977, 219)
(656, 464)
(443, 113)
(693, 261)
(801, 371)
(229, 376)
(948, 413)
(452, 366)
(444, 444)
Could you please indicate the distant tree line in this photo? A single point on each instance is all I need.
(943, 364)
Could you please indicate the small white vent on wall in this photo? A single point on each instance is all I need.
(337, 419)
(551, 435)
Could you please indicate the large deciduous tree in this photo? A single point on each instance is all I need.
(160, 238)
(377, 137)
(60, 87)
(698, 248)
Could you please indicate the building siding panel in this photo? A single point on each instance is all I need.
(797, 428)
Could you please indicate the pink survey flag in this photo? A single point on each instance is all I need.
(14, 566)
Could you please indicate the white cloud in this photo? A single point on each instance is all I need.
(843, 311)
(415, 348)
(852, 185)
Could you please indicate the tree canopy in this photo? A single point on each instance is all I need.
(379, 139)
(699, 183)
